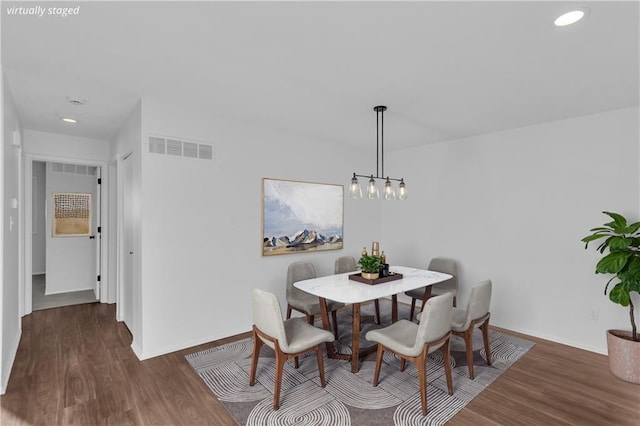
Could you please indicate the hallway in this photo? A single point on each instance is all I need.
(42, 301)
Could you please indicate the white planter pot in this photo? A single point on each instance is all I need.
(624, 356)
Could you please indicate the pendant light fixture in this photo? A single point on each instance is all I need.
(388, 192)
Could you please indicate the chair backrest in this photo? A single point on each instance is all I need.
(435, 321)
(267, 316)
(298, 271)
(447, 266)
(479, 301)
(345, 264)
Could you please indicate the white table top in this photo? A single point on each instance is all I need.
(341, 289)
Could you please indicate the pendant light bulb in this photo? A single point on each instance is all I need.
(389, 193)
(354, 188)
(372, 189)
(402, 190)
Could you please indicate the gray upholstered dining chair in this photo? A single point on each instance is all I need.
(288, 339)
(438, 264)
(345, 264)
(477, 314)
(304, 302)
(413, 342)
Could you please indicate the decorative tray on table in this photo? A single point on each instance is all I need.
(391, 277)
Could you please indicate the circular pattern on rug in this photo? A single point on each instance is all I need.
(212, 358)
(306, 406)
(231, 383)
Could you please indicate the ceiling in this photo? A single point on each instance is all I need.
(446, 70)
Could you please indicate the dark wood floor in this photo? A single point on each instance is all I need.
(74, 366)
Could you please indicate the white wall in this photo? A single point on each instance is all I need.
(512, 206)
(71, 261)
(38, 251)
(201, 223)
(9, 235)
(58, 146)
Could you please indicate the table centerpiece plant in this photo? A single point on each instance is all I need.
(622, 259)
(370, 266)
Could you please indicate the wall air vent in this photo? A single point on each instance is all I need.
(180, 148)
(190, 149)
(156, 145)
(76, 169)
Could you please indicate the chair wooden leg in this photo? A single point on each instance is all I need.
(257, 344)
(446, 351)
(485, 337)
(281, 358)
(296, 362)
(454, 302)
(334, 318)
(422, 377)
(310, 319)
(320, 365)
(288, 311)
(403, 364)
(376, 374)
(413, 308)
(377, 303)
(468, 342)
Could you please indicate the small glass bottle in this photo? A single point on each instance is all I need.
(383, 258)
(364, 251)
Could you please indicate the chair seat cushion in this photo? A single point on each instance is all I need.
(302, 336)
(311, 304)
(418, 293)
(399, 336)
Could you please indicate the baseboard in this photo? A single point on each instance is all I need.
(46, 293)
(555, 339)
(166, 350)
(6, 367)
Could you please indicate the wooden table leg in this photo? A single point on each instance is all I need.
(326, 326)
(394, 308)
(355, 338)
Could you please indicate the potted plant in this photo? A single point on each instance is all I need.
(370, 266)
(622, 259)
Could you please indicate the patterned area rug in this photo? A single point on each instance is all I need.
(351, 399)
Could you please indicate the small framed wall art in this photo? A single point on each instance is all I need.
(71, 214)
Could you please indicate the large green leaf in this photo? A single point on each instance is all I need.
(619, 243)
(619, 222)
(613, 262)
(633, 228)
(618, 294)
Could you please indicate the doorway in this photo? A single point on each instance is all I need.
(62, 268)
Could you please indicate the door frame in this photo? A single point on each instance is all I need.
(106, 292)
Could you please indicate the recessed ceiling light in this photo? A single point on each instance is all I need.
(69, 120)
(76, 101)
(571, 17)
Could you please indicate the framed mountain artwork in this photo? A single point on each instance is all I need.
(301, 217)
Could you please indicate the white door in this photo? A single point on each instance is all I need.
(70, 259)
(126, 293)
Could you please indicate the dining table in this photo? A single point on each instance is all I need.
(341, 288)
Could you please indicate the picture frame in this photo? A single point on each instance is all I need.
(301, 217)
(71, 214)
